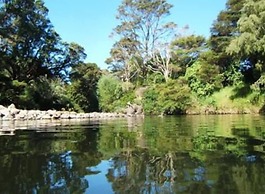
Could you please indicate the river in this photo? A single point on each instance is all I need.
(172, 154)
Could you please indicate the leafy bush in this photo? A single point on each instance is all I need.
(83, 89)
(44, 93)
(150, 101)
(172, 97)
(113, 93)
(204, 78)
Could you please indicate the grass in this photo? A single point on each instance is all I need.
(229, 100)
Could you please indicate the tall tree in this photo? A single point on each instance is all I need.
(249, 44)
(142, 23)
(83, 88)
(123, 59)
(161, 61)
(30, 48)
(186, 50)
(222, 32)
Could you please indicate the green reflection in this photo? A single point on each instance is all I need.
(185, 154)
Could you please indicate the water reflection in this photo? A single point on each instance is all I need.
(187, 154)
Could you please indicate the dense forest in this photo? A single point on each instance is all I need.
(153, 63)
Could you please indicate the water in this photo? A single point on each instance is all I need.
(185, 154)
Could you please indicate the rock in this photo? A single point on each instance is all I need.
(139, 109)
(4, 112)
(56, 116)
(65, 115)
(7, 117)
(11, 106)
(2, 107)
(130, 110)
(46, 116)
(22, 115)
(13, 110)
(134, 109)
(33, 114)
(12, 113)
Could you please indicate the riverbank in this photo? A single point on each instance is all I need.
(213, 110)
(12, 113)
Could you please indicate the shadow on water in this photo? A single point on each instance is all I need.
(185, 154)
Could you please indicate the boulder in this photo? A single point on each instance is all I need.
(4, 111)
(134, 109)
(130, 110)
(12, 113)
(11, 106)
(13, 110)
(2, 107)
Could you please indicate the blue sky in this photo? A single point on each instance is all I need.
(90, 22)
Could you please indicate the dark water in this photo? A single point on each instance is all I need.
(186, 154)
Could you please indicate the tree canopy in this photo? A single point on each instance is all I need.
(33, 56)
(249, 45)
(142, 28)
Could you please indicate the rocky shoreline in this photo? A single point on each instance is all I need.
(12, 113)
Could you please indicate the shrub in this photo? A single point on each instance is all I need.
(109, 90)
(172, 97)
(204, 78)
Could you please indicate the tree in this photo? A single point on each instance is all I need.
(172, 97)
(223, 30)
(161, 61)
(83, 89)
(249, 44)
(204, 78)
(109, 91)
(123, 59)
(31, 49)
(186, 50)
(142, 24)
(26, 36)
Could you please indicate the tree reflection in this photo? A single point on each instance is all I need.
(180, 161)
(32, 162)
(151, 155)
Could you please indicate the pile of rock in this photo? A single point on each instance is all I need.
(12, 113)
(134, 109)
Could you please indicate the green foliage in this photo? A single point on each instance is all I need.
(141, 28)
(150, 101)
(249, 45)
(43, 94)
(127, 97)
(11, 90)
(223, 31)
(33, 56)
(83, 88)
(204, 78)
(30, 45)
(172, 97)
(186, 50)
(259, 85)
(153, 78)
(232, 75)
(109, 90)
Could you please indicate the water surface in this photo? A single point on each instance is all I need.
(184, 154)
